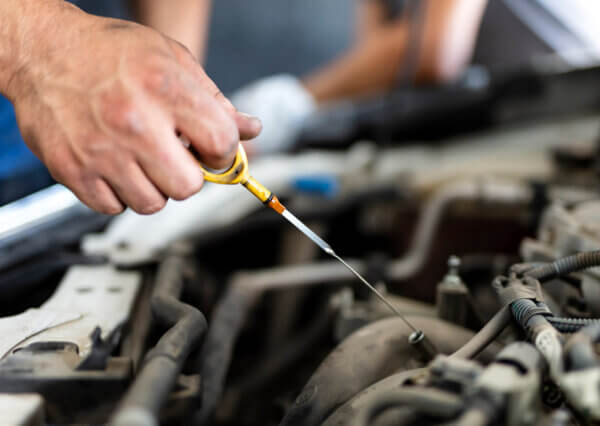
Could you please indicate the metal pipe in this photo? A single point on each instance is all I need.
(162, 365)
(22, 222)
(40, 210)
(483, 190)
(490, 331)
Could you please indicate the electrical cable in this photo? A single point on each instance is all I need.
(498, 323)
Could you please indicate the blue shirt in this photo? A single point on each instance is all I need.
(15, 157)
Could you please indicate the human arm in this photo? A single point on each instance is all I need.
(186, 21)
(374, 63)
(100, 102)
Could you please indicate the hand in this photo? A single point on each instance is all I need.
(101, 102)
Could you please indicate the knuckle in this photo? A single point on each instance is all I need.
(103, 154)
(160, 82)
(120, 114)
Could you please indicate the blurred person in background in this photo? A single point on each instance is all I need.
(397, 43)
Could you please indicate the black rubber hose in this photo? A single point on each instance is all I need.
(565, 265)
(226, 323)
(164, 362)
(572, 325)
(525, 310)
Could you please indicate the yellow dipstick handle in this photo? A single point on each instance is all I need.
(238, 173)
(263, 194)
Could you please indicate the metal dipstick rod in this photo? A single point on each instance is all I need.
(329, 250)
(417, 338)
(238, 174)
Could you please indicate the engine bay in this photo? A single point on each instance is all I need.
(216, 312)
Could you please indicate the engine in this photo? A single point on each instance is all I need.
(217, 312)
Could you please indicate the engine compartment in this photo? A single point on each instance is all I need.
(215, 311)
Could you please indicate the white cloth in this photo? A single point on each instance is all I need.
(282, 104)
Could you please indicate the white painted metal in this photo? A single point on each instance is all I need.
(88, 297)
(25, 409)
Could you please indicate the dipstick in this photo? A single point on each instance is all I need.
(327, 249)
(238, 174)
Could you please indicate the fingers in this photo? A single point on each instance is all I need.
(172, 169)
(142, 187)
(134, 188)
(90, 188)
(249, 127)
(205, 124)
(143, 178)
(97, 195)
(206, 84)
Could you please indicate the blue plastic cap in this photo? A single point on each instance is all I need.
(321, 185)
